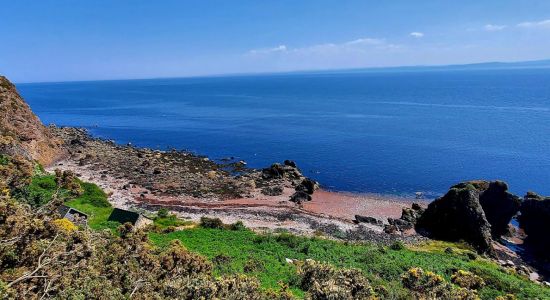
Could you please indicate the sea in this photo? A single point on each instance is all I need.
(386, 132)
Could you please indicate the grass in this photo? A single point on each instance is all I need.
(171, 220)
(382, 265)
(263, 256)
(94, 203)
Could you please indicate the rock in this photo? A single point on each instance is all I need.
(390, 229)
(416, 206)
(278, 171)
(272, 191)
(458, 215)
(534, 276)
(370, 220)
(546, 283)
(300, 197)
(289, 261)
(401, 224)
(534, 219)
(498, 204)
(307, 185)
(290, 163)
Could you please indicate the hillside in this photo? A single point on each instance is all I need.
(21, 131)
(46, 254)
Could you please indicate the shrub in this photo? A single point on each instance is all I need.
(397, 245)
(467, 280)
(64, 225)
(162, 213)
(213, 223)
(323, 281)
(237, 226)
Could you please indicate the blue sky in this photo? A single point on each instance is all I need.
(50, 40)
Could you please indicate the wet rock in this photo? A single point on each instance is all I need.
(272, 191)
(278, 171)
(498, 204)
(534, 219)
(300, 197)
(457, 215)
(367, 219)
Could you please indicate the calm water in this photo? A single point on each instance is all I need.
(392, 133)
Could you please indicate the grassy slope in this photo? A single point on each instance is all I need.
(382, 265)
(241, 249)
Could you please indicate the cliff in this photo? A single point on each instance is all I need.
(21, 132)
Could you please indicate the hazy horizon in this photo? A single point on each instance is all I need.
(60, 40)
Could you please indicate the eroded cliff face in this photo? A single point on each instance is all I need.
(21, 132)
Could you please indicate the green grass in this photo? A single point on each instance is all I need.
(171, 220)
(381, 265)
(40, 191)
(94, 203)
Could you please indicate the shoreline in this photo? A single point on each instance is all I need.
(133, 181)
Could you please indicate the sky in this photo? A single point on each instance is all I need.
(56, 40)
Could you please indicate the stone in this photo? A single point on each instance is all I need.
(535, 221)
(498, 204)
(272, 191)
(290, 163)
(300, 197)
(308, 186)
(367, 219)
(457, 215)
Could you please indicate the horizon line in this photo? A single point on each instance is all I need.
(298, 71)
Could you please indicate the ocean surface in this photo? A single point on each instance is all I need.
(377, 132)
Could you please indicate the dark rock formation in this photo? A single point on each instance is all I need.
(272, 191)
(300, 197)
(308, 186)
(458, 215)
(535, 221)
(367, 219)
(498, 204)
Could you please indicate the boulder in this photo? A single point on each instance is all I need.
(498, 204)
(308, 186)
(300, 197)
(457, 215)
(278, 171)
(272, 191)
(367, 219)
(534, 219)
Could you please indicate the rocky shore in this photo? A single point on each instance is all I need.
(278, 197)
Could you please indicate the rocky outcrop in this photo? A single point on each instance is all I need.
(534, 219)
(458, 215)
(22, 133)
(498, 204)
(409, 218)
(278, 173)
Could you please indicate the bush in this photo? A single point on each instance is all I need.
(467, 280)
(162, 213)
(397, 245)
(237, 226)
(213, 223)
(323, 281)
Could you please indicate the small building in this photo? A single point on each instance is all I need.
(125, 216)
(73, 215)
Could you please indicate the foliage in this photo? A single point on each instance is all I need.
(213, 223)
(382, 266)
(323, 281)
(162, 213)
(64, 225)
(467, 280)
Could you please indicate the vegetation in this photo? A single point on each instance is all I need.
(44, 256)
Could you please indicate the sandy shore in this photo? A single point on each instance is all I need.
(260, 212)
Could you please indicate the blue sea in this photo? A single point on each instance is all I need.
(395, 132)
